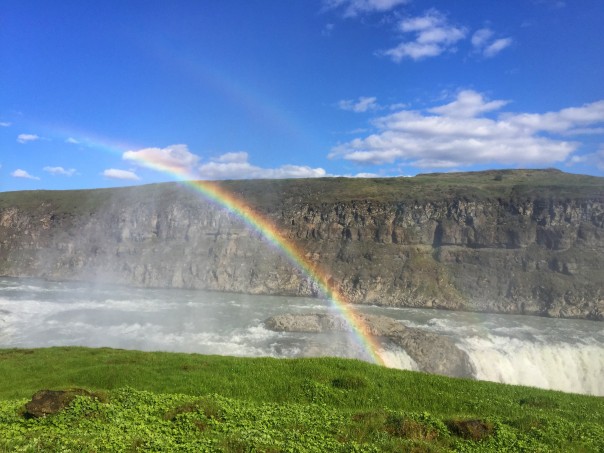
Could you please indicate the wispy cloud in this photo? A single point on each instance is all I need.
(25, 138)
(497, 46)
(484, 43)
(425, 36)
(433, 35)
(556, 4)
(5, 124)
(72, 140)
(458, 134)
(328, 29)
(18, 173)
(352, 8)
(481, 38)
(60, 171)
(235, 165)
(595, 159)
(362, 104)
(115, 173)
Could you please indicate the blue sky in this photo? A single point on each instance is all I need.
(113, 93)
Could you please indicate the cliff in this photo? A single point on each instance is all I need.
(514, 241)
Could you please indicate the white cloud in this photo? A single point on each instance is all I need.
(468, 104)
(24, 138)
(18, 173)
(483, 43)
(434, 35)
(5, 124)
(577, 159)
(366, 175)
(456, 134)
(60, 171)
(363, 104)
(353, 8)
(232, 165)
(236, 166)
(232, 158)
(72, 140)
(568, 121)
(114, 173)
(176, 158)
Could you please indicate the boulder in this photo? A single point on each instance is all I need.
(48, 402)
(431, 352)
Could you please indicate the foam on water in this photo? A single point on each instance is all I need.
(559, 366)
(558, 354)
(398, 358)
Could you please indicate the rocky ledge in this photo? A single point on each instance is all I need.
(432, 353)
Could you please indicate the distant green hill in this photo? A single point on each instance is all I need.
(268, 193)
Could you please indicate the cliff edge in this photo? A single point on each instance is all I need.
(511, 241)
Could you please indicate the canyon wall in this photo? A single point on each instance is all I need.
(517, 243)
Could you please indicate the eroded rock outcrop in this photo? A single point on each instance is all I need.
(432, 353)
(49, 402)
(526, 242)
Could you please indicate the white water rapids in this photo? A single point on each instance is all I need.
(557, 354)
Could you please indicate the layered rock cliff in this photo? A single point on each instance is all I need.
(528, 242)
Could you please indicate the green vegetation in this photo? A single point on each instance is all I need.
(268, 195)
(492, 184)
(186, 402)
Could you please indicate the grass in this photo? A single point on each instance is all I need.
(271, 195)
(190, 402)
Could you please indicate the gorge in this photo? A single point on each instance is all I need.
(506, 241)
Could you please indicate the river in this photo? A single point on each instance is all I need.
(559, 354)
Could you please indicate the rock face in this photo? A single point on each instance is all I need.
(526, 242)
(432, 353)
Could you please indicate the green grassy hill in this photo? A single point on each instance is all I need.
(186, 402)
(268, 194)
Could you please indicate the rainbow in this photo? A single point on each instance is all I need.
(296, 256)
(217, 194)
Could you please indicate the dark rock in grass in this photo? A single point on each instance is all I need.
(409, 429)
(471, 429)
(349, 382)
(48, 402)
(539, 402)
(431, 352)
